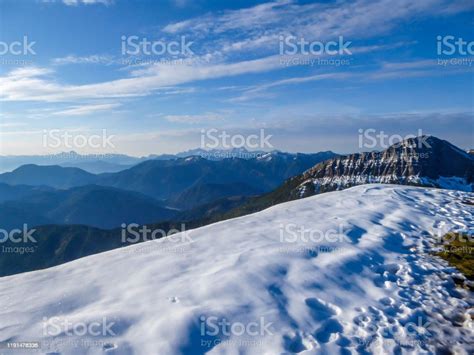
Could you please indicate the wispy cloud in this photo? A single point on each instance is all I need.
(257, 26)
(86, 109)
(262, 25)
(386, 71)
(419, 68)
(12, 124)
(81, 2)
(260, 15)
(193, 119)
(293, 131)
(35, 84)
(181, 3)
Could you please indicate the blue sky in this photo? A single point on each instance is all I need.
(234, 78)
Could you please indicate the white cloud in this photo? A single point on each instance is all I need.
(87, 2)
(293, 131)
(181, 3)
(258, 30)
(263, 24)
(12, 124)
(260, 15)
(86, 109)
(193, 119)
(260, 26)
(34, 84)
(257, 92)
(387, 71)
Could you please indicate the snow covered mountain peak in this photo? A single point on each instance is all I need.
(420, 161)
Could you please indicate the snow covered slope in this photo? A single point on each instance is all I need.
(338, 273)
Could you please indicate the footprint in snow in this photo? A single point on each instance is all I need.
(109, 347)
(321, 310)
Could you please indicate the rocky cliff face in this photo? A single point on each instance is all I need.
(424, 161)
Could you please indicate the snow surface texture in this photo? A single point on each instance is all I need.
(376, 289)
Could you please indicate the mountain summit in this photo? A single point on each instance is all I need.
(424, 161)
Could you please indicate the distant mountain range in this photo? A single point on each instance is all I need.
(93, 163)
(36, 194)
(14, 192)
(111, 163)
(50, 175)
(166, 179)
(97, 206)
